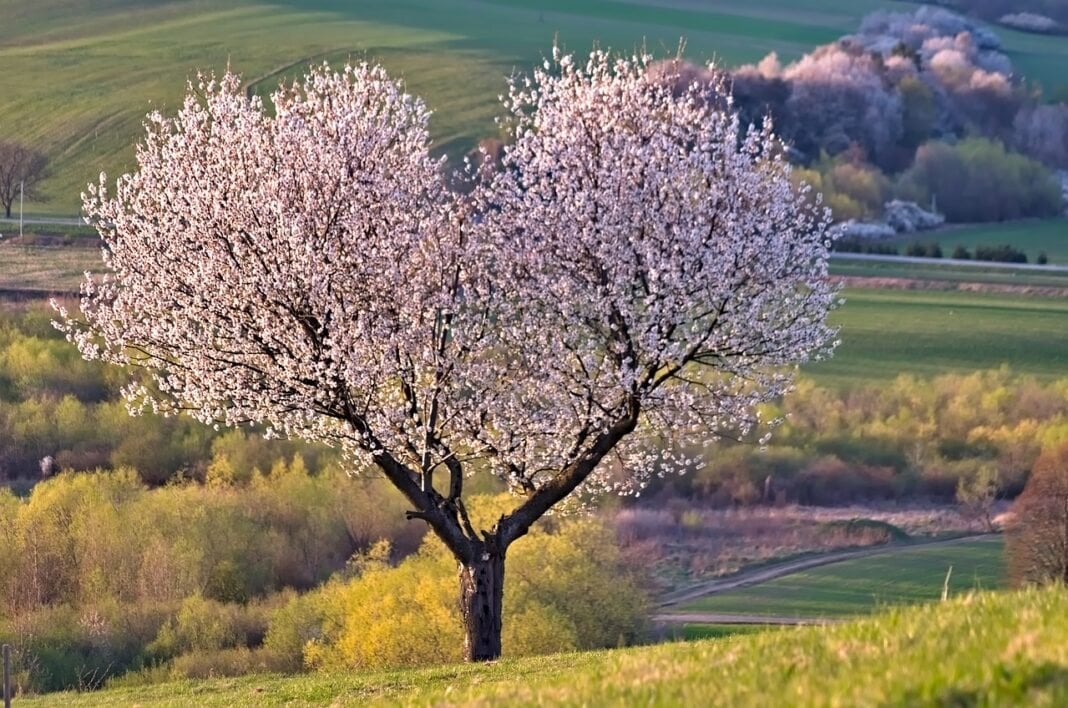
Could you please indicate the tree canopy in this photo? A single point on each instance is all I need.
(637, 276)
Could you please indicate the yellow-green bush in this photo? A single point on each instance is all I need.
(904, 439)
(851, 188)
(80, 538)
(565, 588)
(194, 560)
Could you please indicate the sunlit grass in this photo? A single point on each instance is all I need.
(984, 649)
(885, 333)
(864, 585)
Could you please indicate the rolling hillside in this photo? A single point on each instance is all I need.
(863, 585)
(79, 76)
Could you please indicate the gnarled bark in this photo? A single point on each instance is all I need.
(481, 604)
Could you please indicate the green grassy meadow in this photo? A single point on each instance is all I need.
(1031, 237)
(693, 632)
(860, 586)
(982, 649)
(885, 333)
(45, 268)
(79, 76)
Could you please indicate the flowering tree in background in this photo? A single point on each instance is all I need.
(1036, 536)
(634, 280)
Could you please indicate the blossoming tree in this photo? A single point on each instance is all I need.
(637, 276)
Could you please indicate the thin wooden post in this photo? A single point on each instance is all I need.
(7, 676)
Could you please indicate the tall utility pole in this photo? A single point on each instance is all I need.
(22, 194)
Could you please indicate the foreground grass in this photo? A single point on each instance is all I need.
(79, 75)
(885, 333)
(984, 649)
(908, 576)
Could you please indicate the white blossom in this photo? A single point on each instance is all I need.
(636, 278)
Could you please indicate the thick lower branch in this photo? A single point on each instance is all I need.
(516, 524)
(427, 502)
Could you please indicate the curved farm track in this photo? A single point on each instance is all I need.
(762, 575)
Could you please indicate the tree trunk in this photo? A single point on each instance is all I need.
(481, 603)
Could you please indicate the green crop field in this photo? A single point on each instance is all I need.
(862, 585)
(889, 332)
(718, 631)
(1031, 237)
(79, 76)
(986, 649)
(949, 272)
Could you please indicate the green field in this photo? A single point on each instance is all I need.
(860, 586)
(1031, 237)
(693, 632)
(949, 273)
(79, 76)
(987, 649)
(889, 332)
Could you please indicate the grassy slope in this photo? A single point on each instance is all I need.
(860, 586)
(1032, 237)
(886, 333)
(988, 649)
(79, 76)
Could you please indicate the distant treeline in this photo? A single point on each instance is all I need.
(1002, 253)
(57, 407)
(907, 439)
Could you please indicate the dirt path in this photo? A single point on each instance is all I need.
(730, 618)
(762, 575)
(985, 265)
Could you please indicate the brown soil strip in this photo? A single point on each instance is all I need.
(727, 618)
(855, 281)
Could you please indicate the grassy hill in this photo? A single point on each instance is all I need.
(860, 586)
(889, 332)
(985, 649)
(79, 76)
